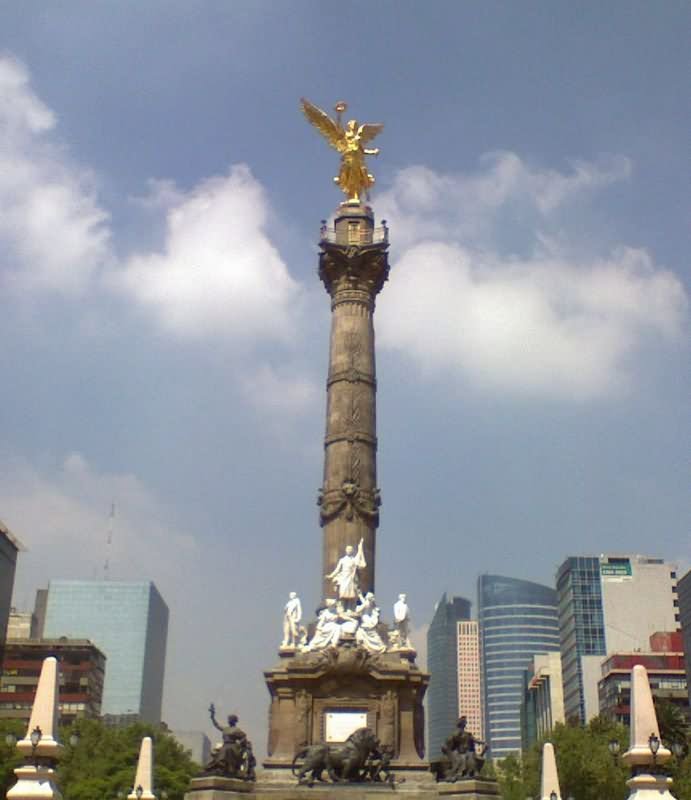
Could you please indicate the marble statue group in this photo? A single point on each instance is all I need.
(350, 617)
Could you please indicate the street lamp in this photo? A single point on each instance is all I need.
(74, 739)
(654, 745)
(35, 738)
(678, 750)
(139, 791)
(553, 795)
(10, 740)
(614, 748)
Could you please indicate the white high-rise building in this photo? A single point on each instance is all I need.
(607, 604)
(469, 676)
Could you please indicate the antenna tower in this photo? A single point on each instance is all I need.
(109, 542)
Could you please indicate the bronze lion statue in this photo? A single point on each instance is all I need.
(344, 763)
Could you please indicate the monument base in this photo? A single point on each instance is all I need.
(321, 697)
(213, 787)
(277, 785)
(469, 789)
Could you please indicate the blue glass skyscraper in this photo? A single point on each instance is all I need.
(582, 626)
(9, 547)
(517, 620)
(442, 662)
(129, 623)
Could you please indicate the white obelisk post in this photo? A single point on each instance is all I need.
(645, 782)
(550, 779)
(36, 780)
(144, 778)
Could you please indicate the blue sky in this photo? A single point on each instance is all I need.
(165, 333)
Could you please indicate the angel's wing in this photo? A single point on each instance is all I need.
(330, 130)
(368, 131)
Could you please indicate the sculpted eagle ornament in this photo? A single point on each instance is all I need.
(353, 177)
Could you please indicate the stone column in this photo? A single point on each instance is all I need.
(37, 779)
(353, 265)
(549, 779)
(145, 772)
(647, 781)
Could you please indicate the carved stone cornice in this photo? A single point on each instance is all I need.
(351, 436)
(351, 376)
(354, 273)
(350, 500)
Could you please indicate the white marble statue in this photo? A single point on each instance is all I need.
(292, 614)
(347, 619)
(401, 617)
(345, 577)
(328, 629)
(367, 635)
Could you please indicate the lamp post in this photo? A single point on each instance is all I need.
(35, 738)
(553, 796)
(139, 791)
(654, 745)
(614, 747)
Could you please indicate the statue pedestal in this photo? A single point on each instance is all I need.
(469, 789)
(215, 788)
(280, 785)
(315, 696)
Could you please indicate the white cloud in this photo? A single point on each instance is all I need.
(545, 323)
(61, 515)
(218, 271)
(279, 392)
(424, 204)
(53, 233)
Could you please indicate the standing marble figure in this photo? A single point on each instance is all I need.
(345, 577)
(401, 616)
(292, 615)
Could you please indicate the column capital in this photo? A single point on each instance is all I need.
(353, 273)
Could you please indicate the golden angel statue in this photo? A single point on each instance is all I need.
(353, 177)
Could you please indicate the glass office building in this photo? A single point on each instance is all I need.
(129, 623)
(442, 662)
(611, 603)
(582, 627)
(684, 602)
(518, 619)
(9, 547)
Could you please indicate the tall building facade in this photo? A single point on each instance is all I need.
(443, 663)
(684, 590)
(470, 676)
(129, 622)
(607, 604)
(664, 662)
(9, 547)
(517, 620)
(82, 668)
(543, 701)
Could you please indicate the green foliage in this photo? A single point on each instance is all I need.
(674, 729)
(9, 758)
(586, 768)
(672, 724)
(104, 761)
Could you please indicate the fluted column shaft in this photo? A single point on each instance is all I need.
(353, 268)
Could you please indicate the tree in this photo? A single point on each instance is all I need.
(9, 757)
(510, 774)
(586, 768)
(672, 724)
(104, 761)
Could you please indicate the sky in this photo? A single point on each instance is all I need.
(165, 334)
